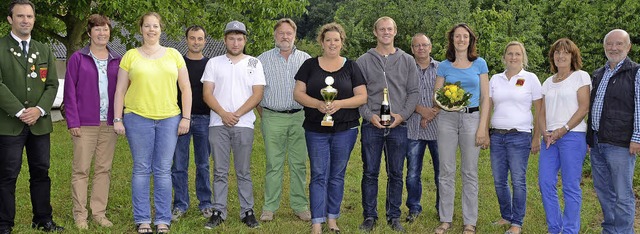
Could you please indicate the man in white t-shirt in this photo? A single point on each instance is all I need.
(233, 86)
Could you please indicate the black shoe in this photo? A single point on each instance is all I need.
(214, 220)
(48, 226)
(412, 217)
(395, 225)
(5, 231)
(367, 224)
(250, 219)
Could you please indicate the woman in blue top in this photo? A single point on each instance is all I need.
(467, 128)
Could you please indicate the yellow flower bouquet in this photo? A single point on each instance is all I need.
(451, 97)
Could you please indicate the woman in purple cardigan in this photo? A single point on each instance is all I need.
(89, 88)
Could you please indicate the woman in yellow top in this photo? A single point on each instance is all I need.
(147, 91)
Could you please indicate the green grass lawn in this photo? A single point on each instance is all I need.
(120, 211)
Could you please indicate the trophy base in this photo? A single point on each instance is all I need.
(326, 123)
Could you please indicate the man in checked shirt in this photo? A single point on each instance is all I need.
(613, 133)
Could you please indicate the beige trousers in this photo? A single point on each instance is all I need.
(101, 142)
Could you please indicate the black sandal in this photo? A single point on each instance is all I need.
(162, 228)
(144, 228)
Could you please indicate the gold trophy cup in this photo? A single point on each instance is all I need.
(328, 94)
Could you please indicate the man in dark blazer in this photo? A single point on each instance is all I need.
(28, 86)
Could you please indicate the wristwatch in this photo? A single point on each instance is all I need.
(117, 120)
(566, 126)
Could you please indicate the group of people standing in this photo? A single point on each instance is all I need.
(161, 99)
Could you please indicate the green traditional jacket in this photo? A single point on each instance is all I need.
(26, 82)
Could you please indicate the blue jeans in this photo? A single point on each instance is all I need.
(393, 141)
(612, 170)
(152, 143)
(328, 156)
(415, 156)
(199, 129)
(567, 156)
(510, 153)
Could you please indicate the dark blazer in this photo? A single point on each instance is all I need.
(25, 84)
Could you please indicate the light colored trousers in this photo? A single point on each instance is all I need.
(99, 142)
(223, 139)
(458, 129)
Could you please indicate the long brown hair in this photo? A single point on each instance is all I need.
(472, 55)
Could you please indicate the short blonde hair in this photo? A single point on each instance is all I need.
(384, 18)
(525, 60)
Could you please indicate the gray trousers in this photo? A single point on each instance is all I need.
(222, 140)
(458, 129)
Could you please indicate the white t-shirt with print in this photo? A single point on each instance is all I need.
(233, 85)
(512, 99)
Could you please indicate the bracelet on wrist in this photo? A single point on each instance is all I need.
(186, 118)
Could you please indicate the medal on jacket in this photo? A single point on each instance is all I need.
(33, 72)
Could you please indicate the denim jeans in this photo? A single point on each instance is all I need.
(567, 156)
(328, 156)
(510, 154)
(199, 129)
(152, 143)
(415, 156)
(393, 141)
(612, 169)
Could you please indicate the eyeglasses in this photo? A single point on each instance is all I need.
(421, 45)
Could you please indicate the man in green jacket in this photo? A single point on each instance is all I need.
(28, 86)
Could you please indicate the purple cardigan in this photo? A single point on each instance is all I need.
(81, 92)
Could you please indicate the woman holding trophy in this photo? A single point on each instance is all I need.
(331, 88)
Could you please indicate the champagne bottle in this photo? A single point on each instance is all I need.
(385, 110)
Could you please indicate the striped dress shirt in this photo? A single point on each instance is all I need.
(279, 74)
(426, 81)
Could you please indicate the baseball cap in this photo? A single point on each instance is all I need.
(235, 26)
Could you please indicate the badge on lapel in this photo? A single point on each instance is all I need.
(33, 72)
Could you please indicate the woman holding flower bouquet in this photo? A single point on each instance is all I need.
(565, 103)
(466, 127)
(512, 93)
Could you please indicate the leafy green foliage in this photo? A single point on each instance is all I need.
(65, 20)
(537, 24)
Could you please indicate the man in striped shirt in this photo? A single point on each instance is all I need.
(282, 123)
(421, 126)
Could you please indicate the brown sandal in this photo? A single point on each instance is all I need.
(469, 229)
(444, 227)
(144, 228)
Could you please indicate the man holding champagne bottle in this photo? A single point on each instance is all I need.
(392, 87)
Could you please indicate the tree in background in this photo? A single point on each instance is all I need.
(65, 20)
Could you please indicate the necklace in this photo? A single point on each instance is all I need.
(558, 78)
(150, 54)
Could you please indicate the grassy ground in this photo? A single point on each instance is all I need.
(120, 211)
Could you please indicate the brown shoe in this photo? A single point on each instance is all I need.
(266, 216)
(82, 224)
(304, 215)
(103, 221)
